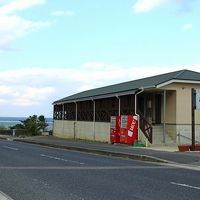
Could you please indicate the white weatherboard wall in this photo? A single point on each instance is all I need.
(98, 131)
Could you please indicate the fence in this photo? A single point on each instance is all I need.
(13, 132)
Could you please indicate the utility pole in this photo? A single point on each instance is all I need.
(193, 117)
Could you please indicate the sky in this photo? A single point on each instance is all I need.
(52, 49)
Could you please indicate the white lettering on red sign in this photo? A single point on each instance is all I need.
(132, 125)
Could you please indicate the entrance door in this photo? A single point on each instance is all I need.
(158, 100)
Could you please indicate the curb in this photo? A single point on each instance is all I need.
(5, 138)
(98, 151)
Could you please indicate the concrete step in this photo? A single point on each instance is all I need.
(158, 137)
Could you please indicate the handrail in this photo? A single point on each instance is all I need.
(146, 128)
(188, 138)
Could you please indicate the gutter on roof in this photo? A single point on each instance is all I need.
(103, 96)
(96, 97)
(147, 87)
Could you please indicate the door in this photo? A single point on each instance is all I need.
(158, 99)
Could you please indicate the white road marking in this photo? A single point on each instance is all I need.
(12, 148)
(3, 196)
(61, 159)
(83, 168)
(185, 185)
(181, 166)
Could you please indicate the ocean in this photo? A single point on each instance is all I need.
(6, 122)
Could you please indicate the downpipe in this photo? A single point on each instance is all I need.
(138, 116)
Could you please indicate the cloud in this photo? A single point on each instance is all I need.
(2, 101)
(13, 26)
(186, 27)
(30, 91)
(31, 95)
(18, 88)
(60, 13)
(5, 89)
(19, 5)
(22, 95)
(148, 5)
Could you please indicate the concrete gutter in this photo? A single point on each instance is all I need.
(97, 151)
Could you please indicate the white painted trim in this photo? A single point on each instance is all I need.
(177, 81)
(138, 116)
(4, 196)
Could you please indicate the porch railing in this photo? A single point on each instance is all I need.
(146, 128)
(187, 138)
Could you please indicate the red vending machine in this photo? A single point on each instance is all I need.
(114, 129)
(128, 129)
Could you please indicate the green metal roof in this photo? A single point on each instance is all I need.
(131, 86)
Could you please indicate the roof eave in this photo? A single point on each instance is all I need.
(177, 81)
(117, 94)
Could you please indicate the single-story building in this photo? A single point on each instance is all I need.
(163, 103)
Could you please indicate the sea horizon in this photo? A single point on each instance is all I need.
(6, 122)
(3, 118)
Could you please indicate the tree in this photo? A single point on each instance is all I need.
(42, 122)
(34, 125)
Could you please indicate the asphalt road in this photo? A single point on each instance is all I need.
(34, 172)
(179, 157)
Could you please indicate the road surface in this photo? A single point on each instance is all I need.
(39, 173)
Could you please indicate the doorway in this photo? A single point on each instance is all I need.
(158, 100)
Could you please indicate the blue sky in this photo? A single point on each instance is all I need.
(51, 49)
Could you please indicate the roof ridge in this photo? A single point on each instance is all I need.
(180, 72)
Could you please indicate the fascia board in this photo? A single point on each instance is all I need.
(177, 81)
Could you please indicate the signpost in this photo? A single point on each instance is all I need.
(195, 106)
(197, 99)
